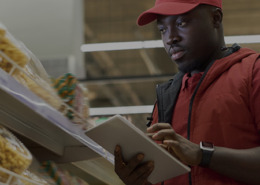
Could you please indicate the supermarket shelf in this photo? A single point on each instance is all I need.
(90, 179)
(28, 115)
(100, 169)
(11, 176)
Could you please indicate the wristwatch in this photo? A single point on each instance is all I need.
(207, 151)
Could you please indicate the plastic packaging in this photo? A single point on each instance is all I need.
(35, 178)
(61, 177)
(29, 70)
(74, 95)
(55, 173)
(39, 86)
(14, 156)
(81, 103)
(78, 181)
(13, 49)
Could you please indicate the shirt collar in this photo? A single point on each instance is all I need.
(188, 80)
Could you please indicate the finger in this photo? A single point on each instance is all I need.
(145, 176)
(142, 173)
(171, 151)
(171, 143)
(119, 161)
(158, 126)
(164, 146)
(164, 134)
(150, 135)
(134, 162)
(172, 146)
(168, 145)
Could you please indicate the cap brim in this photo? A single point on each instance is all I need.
(170, 8)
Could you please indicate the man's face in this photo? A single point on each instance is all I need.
(189, 38)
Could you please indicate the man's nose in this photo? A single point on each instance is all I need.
(173, 38)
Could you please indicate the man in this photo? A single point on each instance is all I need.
(207, 116)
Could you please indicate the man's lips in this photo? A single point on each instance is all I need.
(177, 54)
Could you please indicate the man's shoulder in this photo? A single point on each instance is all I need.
(242, 56)
(249, 52)
(252, 56)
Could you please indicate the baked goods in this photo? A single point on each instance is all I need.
(61, 177)
(81, 103)
(33, 177)
(12, 49)
(65, 86)
(55, 173)
(14, 54)
(40, 87)
(14, 156)
(74, 95)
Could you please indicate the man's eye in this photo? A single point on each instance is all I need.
(181, 24)
(162, 30)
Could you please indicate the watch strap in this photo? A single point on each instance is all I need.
(206, 157)
(207, 151)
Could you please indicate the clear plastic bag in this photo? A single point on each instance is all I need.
(13, 49)
(35, 178)
(75, 96)
(14, 156)
(29, 70)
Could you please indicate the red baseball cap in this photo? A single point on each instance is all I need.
(172, 7)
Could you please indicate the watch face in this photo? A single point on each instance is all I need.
(206, 146)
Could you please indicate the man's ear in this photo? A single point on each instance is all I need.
(217, 17)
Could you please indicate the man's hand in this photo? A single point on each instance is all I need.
(134, 171)
(181, 148)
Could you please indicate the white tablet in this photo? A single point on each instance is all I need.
(118, 130)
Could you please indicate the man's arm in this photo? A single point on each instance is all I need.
(242, 165)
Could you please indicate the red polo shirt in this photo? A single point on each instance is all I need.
(180, 117)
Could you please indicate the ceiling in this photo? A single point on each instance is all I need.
(129, 77)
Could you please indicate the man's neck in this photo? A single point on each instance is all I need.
(223, 52)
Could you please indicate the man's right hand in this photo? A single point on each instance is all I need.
(134, 171)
